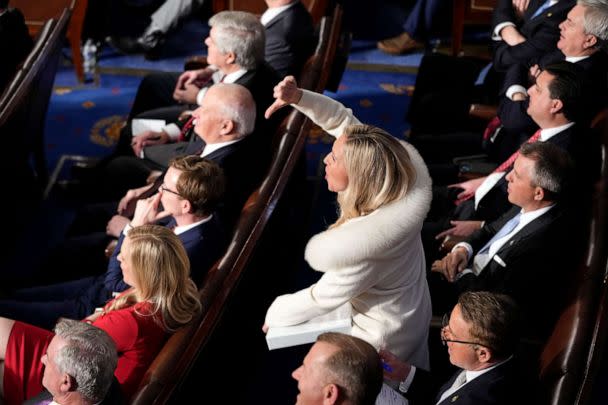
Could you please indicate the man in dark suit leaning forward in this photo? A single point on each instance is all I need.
(481, 334)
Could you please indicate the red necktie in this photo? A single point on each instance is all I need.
(187, 126)
(491, 128)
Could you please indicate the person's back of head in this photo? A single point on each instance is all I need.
(494, 321)
(241, 33)
(88, 355)
(355, 367)
(235, 103)
(379, 171)
(553, 169)
(201, 182)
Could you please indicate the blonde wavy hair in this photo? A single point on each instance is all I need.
(161, 269)
(379, 171)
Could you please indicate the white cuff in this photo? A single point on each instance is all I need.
(127, 228)
(404, 385)
(496, 33)
(516, 88)
(201, 95)
(173, 131)
(465, 245)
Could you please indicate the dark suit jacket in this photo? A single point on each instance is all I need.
(496, 387)
(289, 40)
(15, 44)
(541, 32)
(537, 258)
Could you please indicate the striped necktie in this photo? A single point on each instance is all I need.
(542, 8)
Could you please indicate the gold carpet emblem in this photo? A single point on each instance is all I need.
(106, 131)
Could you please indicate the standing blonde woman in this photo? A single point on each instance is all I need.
(161, 299)
(372, 256)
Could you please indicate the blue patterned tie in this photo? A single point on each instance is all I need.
(542, 8)
(505, 230)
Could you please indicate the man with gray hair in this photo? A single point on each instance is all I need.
(79, 366)
(339, 369)
(526, 250)
(235, 53)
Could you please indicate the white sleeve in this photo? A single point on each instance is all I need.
(329, 114)
(173, 131)
(334, 289)
(516, 88)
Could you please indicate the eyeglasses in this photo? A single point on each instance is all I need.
(164, 188)
(445, 325)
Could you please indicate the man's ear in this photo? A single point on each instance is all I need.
(68, 383)
(590, 41)
(227, 127)
(556, 105)
(186, 206)
(331, 394)
(539, 194)
(230, 58)
(484, 355)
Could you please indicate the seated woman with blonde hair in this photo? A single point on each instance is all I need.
(161, 299)
(372, 255)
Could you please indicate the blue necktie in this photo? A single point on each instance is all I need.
(505, 230)
(542, 8)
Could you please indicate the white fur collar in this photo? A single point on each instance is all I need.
(369, 236)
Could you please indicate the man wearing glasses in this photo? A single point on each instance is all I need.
(481, 334)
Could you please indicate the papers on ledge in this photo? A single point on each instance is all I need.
(339, 320)
(139, 125)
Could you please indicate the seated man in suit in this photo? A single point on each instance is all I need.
(235, 53)
(528, 249)
(481, 334)
(15, 42)
(339, 369)
(555, 106)
(521, 31)
(191, 189)
(583, 34)
(79, 367)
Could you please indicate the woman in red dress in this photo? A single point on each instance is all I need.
(162, 298)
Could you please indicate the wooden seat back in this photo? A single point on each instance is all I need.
(571, 356)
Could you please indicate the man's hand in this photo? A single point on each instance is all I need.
(127, 202)
(520, 7)
(519, 96)
(460, 228)
(468, 189)
(394, 369)
(147, 138)
(286, 92)
(511, 35)
(115, 225)
(535, 70)
(147, 211)
(452, 264)
(199, 78)
(187, 94)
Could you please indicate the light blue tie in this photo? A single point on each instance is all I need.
(542, 8)
(505, 230)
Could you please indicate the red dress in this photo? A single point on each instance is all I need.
(137, 334)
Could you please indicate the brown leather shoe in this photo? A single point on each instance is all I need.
(402, 43)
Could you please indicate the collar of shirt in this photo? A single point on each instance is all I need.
(574, 59)
(271, 13)
(471, 375)
(548, 133)
(212, 147)
(181, 229)
(229, 78)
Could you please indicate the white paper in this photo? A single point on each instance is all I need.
(389, 396)
(338, 320)
(140, 125)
